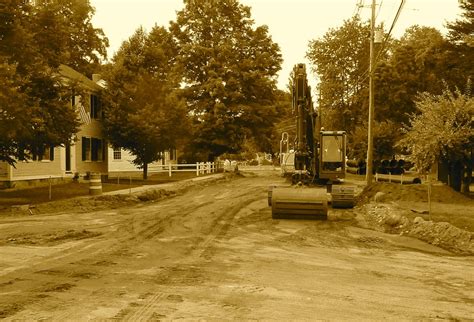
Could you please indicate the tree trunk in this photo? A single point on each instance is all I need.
(467, 174)
(145, 171)
(456, 173)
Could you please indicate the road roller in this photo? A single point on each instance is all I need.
(318, 163)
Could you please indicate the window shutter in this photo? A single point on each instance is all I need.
(51, 153)
(84, 142)
(93, 149)
(104, 149)
(99, 108)
(100, 151)
(39, 153)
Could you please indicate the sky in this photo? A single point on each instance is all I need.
(292, 23)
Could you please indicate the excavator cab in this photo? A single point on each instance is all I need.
(332, 155)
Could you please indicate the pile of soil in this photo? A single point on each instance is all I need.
(412, 192)
(52, 238)
(383, 207)
(103, 202)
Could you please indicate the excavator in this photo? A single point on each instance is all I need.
(318, 162)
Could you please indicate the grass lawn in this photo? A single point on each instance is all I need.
(40, 194)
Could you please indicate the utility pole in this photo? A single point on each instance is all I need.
(370, 145)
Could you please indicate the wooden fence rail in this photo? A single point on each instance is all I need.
(199, 168)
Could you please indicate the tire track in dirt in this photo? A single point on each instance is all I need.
(220, 225)
(146, 312)
(224, 222)
(84, 256)
(109, 242)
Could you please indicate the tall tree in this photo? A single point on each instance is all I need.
(461, 30)
(67, 36)
(340, 60)
(416, 64)
(145, 113)
(461, 52)
(230, 71)
(40, 106)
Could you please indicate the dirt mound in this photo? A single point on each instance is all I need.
(413, 192)
(443, 234)
(52, 238)
(392, 219)
(111, 201)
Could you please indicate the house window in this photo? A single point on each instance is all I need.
(86, 149)
(92, 149)
(96, 107)
(96, 149)
(45, 154)
(48, 154)
(117, 153)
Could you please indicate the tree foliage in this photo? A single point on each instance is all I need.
(229, 70)
(420, 61)
(386, 134)
(340, 60)
(461, 49)
(34, 41)
(442, 130)
(66, 35)
(416, 63)
(461, 30)
(145, 113)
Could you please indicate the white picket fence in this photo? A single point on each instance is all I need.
(199, 168)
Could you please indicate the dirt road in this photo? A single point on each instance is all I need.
(214, 252)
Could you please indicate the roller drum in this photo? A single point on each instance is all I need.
(299, 202)
(343, 196)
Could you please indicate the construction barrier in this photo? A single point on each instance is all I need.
(95, 184)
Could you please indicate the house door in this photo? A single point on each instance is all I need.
(68, 157)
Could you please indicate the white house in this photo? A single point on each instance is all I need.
(87, 154)
(120, 161)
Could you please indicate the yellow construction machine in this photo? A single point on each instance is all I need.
(318, 162)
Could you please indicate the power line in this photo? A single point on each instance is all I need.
(359, 5)
(385, 41)
(365, 75)
(380, 7)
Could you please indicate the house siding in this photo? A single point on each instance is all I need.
(125, 164)
(29, 170)
(3, 170)
(92, 130)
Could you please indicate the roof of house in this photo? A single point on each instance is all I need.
(74, 75)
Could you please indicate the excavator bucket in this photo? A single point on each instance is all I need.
(299, 202)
